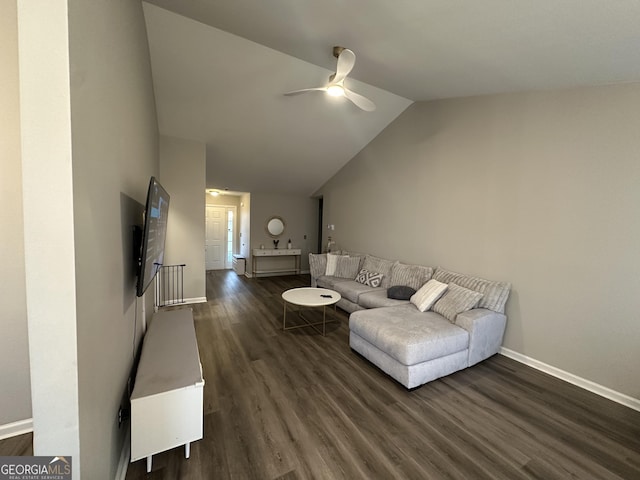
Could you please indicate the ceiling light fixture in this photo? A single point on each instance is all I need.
(335, 90)
(215, 193)
(335, 87)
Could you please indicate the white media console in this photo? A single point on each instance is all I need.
(167, 399)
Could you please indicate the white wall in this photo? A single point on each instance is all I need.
(301, 218)
(90, 144)
(15, 399)
(245, 226)
(49, 226)
(182, 174)
(539, 189)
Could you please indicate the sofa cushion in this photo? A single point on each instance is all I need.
(400, 292)
(456, 300)
(342, 266)
(495, 294)
(317, 264)
(327, 281)
(379, 265)
(408, 335)
(428, 294)
(378, 299)
(351, 290)
(347, 267)
(332, 264)
(373, 279)
(355, 254)
(413, 276)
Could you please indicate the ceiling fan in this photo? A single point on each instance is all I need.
(335, 87)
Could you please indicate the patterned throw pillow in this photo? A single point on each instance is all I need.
(373, 279)
(457, 300)
(378, 265)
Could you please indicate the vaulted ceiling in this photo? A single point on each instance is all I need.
(220, 68)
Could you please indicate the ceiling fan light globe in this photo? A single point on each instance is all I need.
(335, 91)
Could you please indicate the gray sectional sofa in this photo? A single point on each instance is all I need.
(463, 327)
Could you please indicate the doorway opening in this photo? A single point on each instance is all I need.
(220, 232)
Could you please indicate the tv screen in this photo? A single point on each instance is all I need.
(153, 235)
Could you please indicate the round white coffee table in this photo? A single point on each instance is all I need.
(310, 297)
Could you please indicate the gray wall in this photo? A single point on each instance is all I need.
(89, 146)
(182, 174)
(15, 396)
(540, 189)
(300, 215)
(115, 151)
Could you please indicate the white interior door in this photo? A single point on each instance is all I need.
(216, 230)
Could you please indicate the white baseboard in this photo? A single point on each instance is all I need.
(16, 428)
(196, 300)
(249, 275)
(186, 301)
(125, 455)
(593, 387)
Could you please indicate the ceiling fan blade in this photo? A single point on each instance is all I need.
(361, 102)
(346, 61)
(296, 92)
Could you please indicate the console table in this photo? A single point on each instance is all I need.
(258, 253)
(167, 399)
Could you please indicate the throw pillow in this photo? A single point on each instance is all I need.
(347, 267)
(317, 264)
(428, 294)
(379, 265)
(457, 300)
(332, 264)
(373, 279)
(495, 294)
(400, 292)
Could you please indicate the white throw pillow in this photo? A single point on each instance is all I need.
(428, 294)
(332, 264)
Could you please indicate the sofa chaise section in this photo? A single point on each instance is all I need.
(411, 346)
(417, 347)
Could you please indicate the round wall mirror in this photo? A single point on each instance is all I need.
(275, 226)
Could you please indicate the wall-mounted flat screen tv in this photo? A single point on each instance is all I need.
(154, 233)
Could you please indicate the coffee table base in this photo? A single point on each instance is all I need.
(308, 323)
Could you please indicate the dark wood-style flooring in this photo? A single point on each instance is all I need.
(297, 405)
